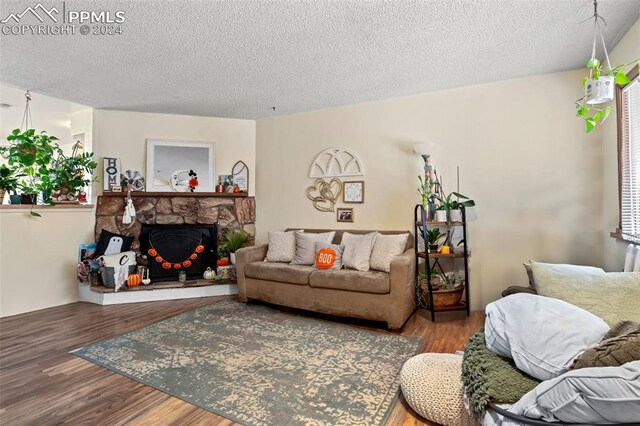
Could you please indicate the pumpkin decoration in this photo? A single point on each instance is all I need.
(186, 263)
(325, 258)
(159, 259)
(193, 256)
(166, 265)
(134, 280)
(177, 265)
(209, 274)
(152, 252)
(199, 248)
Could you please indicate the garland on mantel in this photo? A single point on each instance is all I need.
(179, 265)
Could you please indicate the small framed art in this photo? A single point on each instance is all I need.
(344, 214)
(353, 192)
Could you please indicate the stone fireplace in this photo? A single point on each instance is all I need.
(166, 208)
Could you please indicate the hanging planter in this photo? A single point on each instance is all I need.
(599, 85)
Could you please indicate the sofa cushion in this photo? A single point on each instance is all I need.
(357, 250)
(385, 248)
(328, 256)
(306, 246)
(344, 279)
(280, 272)
(282, 246)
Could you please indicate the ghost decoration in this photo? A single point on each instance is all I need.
(114, 246)
(129, 210)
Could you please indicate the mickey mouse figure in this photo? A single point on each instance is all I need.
(193, 180)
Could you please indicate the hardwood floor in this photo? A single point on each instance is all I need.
(42, 383)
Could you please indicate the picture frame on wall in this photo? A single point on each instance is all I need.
(353, 192)
(344, 214)
(171, 163)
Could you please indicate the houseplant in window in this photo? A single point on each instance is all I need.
(233, 241)
(31, 154)
(70, 174)
(8, 180)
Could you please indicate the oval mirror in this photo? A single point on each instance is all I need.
(240, 173)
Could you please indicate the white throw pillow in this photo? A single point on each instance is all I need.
(306, 246)
(611, 296)
(543, 335)
(385, 248)
(282, 246)
(596, 395)
(357, 250)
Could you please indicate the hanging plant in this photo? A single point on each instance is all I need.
(599, 85)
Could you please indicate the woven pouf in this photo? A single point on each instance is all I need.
(432, 386)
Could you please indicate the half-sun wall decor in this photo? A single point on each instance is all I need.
(336, 162)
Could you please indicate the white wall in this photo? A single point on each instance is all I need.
(523, 155)
(123, 134)
(627, 50)
(38, 256)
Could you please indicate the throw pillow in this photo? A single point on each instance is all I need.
(328, 256)
(611, 296)
(357, 250)
(563, 269)
(110, 243)
(306, 246)
(385, 248)
(620, 345)
(541, 334)
(587, 396)
(282, 246)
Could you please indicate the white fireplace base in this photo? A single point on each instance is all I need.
(85, 294)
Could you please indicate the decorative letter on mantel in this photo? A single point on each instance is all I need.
(336, 162)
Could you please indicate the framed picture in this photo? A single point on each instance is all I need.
(172, 165)
(240, 173)
(111, 173)
(344, 214)
(353, 192)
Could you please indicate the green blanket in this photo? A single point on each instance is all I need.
(488, 377)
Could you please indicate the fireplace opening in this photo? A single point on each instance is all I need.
(174, 248)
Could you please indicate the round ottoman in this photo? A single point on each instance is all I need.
(431, 385)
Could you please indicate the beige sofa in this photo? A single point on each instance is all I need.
(372, 295)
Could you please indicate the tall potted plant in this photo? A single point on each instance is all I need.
(233, 241)
(69, 174)
(452, 207)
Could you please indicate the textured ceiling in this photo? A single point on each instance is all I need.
(239, 58)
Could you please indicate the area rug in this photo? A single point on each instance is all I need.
(257, 366)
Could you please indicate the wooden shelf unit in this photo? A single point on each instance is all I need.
(431, 260)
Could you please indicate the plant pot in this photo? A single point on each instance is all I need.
(28, 198)
(232, 258)
(599, 91)
(2, 191)
(442, 298)
(455, 215)
(15, 198)
(433, 248)
(441, 216)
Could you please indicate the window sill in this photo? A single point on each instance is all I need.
(622, 237)
(19, 208)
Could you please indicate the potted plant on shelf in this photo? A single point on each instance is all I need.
(70, 175)
(433, 236)
(233, 241)
(451, 207)
(9, 183)
(447, 289)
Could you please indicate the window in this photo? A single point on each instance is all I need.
(628, 111)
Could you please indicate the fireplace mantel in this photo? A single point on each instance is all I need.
(139, 194)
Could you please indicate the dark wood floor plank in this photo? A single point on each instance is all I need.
(41, 382)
